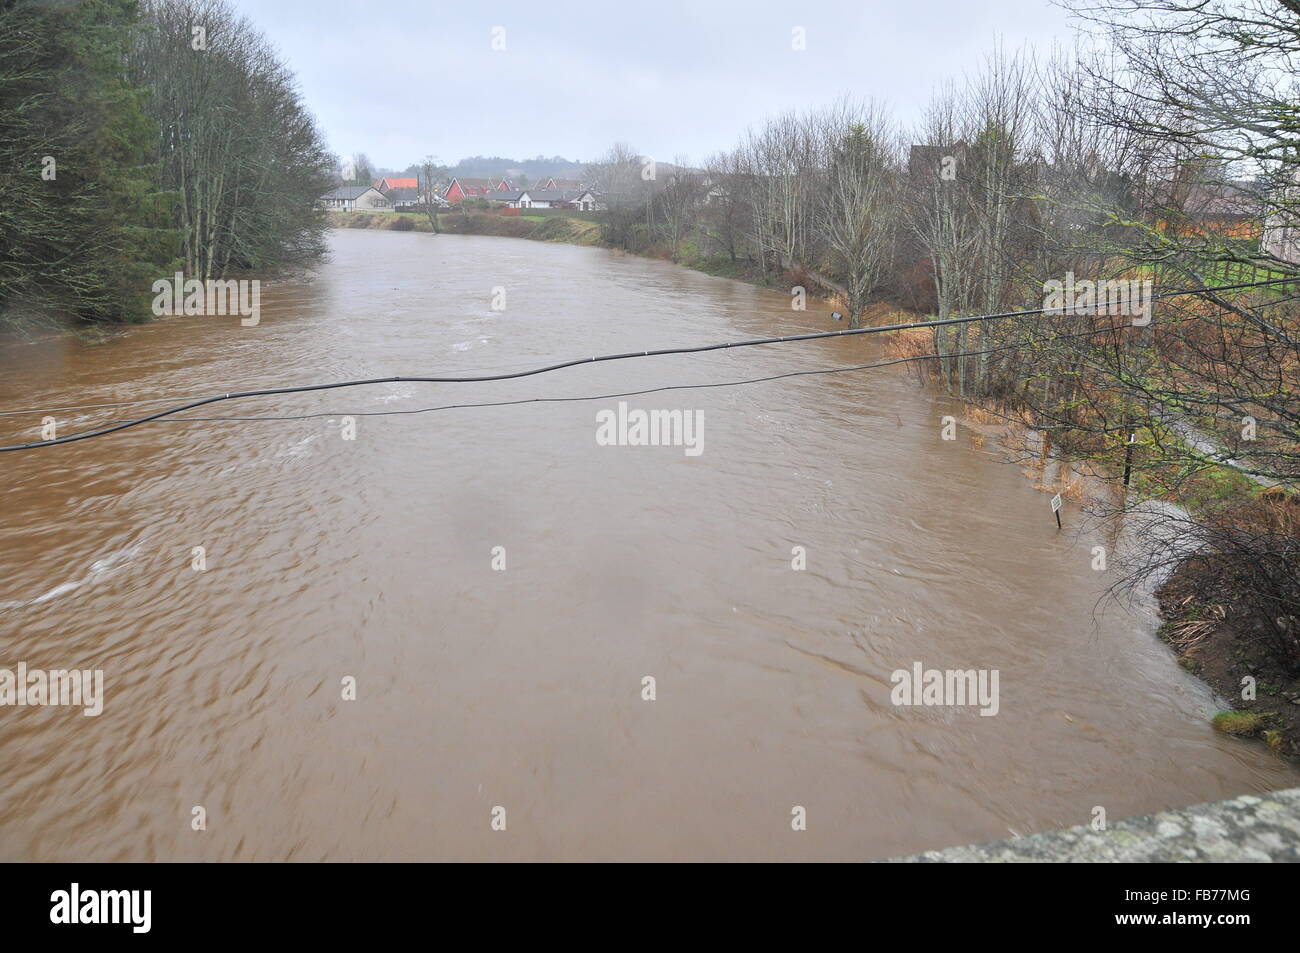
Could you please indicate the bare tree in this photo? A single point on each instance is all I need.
(431, 172)
(363, 170)
(727, 213)
(619, 182)
(679, 201)
(856, 207)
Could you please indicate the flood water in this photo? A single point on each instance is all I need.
(479, 688)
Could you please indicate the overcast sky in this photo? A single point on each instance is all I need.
(400, 79)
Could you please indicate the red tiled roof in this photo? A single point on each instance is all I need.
(397, 183)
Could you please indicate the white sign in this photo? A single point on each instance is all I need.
(1056, 502)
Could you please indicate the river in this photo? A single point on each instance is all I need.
(378, 559)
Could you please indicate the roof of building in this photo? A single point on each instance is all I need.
(394, 182)
(1222, 199)
(476, 183)
(1210, 199)
(557, 195)
(347, 192)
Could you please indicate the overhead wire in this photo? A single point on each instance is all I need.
(626, 355)
(635, 393)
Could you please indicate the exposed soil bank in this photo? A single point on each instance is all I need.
(1214, 641)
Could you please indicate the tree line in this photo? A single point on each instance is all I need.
(142, 137)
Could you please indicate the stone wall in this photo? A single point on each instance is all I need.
(1255, 828)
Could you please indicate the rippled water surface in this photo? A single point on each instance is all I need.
(522, 688)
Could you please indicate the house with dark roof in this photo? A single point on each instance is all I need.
(512, 198)
(579, 199)
(412, 199)
(349, 198)
(1200, 201)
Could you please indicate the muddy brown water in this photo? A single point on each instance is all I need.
(522, 688)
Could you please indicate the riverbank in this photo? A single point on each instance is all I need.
(1202, 558)
(1216, 637)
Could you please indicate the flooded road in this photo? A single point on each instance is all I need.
(521, 688)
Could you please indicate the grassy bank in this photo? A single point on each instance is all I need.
(543, 228)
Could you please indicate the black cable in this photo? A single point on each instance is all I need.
(631, 393)
(627, 355)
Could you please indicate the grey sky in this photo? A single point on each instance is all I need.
(399, 79)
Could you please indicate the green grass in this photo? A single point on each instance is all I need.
(1242, 723)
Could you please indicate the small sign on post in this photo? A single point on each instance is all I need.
(1056, 508)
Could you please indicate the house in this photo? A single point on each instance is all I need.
(460, 189)
(1281, 238)
(1202, 200)
(1222, 209)
(387, 184)
(412, 199)
(1281, 233)
(514, 198)
(578, 199)
(583, 200)
(348, 198)
(404, 199)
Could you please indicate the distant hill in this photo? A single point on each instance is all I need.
(483, 167)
